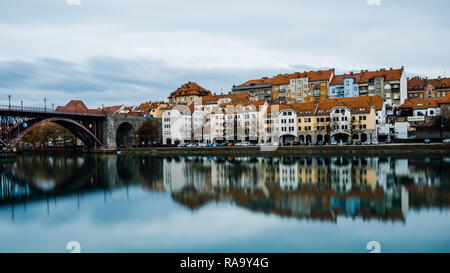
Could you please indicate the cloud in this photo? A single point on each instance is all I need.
(109, 52)
(111, 81)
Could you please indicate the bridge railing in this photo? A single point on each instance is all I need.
(46, 110)
(26, 108)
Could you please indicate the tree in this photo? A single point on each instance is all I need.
(49, 132)
(148, 132)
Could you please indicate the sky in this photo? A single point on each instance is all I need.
(115, 52)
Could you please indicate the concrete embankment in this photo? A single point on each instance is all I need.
(360, 150)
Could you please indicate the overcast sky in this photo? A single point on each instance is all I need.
(126, 52)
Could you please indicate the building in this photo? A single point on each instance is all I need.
(289, 88)
(177, 125)
(421, 107)
(256, 88)
(344, 86)
(238, 122)
(340, 119)
(423, 118)
(419, 88)
(390, 84)
(153, 109)
(187, 93)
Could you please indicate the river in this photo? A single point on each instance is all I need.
(137, 203)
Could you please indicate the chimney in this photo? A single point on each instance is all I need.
(390, 68)
(351, 72)
(439, 77)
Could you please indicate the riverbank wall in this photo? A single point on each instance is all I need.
(362, 150)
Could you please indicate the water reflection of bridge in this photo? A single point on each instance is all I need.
(304, 188)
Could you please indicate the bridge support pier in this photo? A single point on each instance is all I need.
(120, 129)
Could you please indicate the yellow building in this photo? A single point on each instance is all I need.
(339, 119)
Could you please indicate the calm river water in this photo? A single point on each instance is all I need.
(213, 204)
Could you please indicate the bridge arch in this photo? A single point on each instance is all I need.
(125, 135)
(81, 132)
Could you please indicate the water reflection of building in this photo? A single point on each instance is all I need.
(324, 188)
(313, 188)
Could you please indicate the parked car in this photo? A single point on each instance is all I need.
(333, 142)
(191, 145)
(367, 142)
(427, 141)
(358, 142)
(182, 145)
(320, 143)
(230, 144)
(375, 142)
(349, 142)
(446, 140)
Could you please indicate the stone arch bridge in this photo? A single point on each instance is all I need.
(95, 130)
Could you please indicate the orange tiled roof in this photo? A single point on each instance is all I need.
(76, 106)
(280, 79)
(339, 79)
(445, 99)
(257, 104)
(418, 83)
(189, 89)
(112, 109)
(423, 103)
(388, 74)
(324, 106)
(211, 99)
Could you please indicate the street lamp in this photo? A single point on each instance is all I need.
(45, 104)
(9, 99)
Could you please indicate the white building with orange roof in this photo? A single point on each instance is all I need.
(238, 122)
(177, 125)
